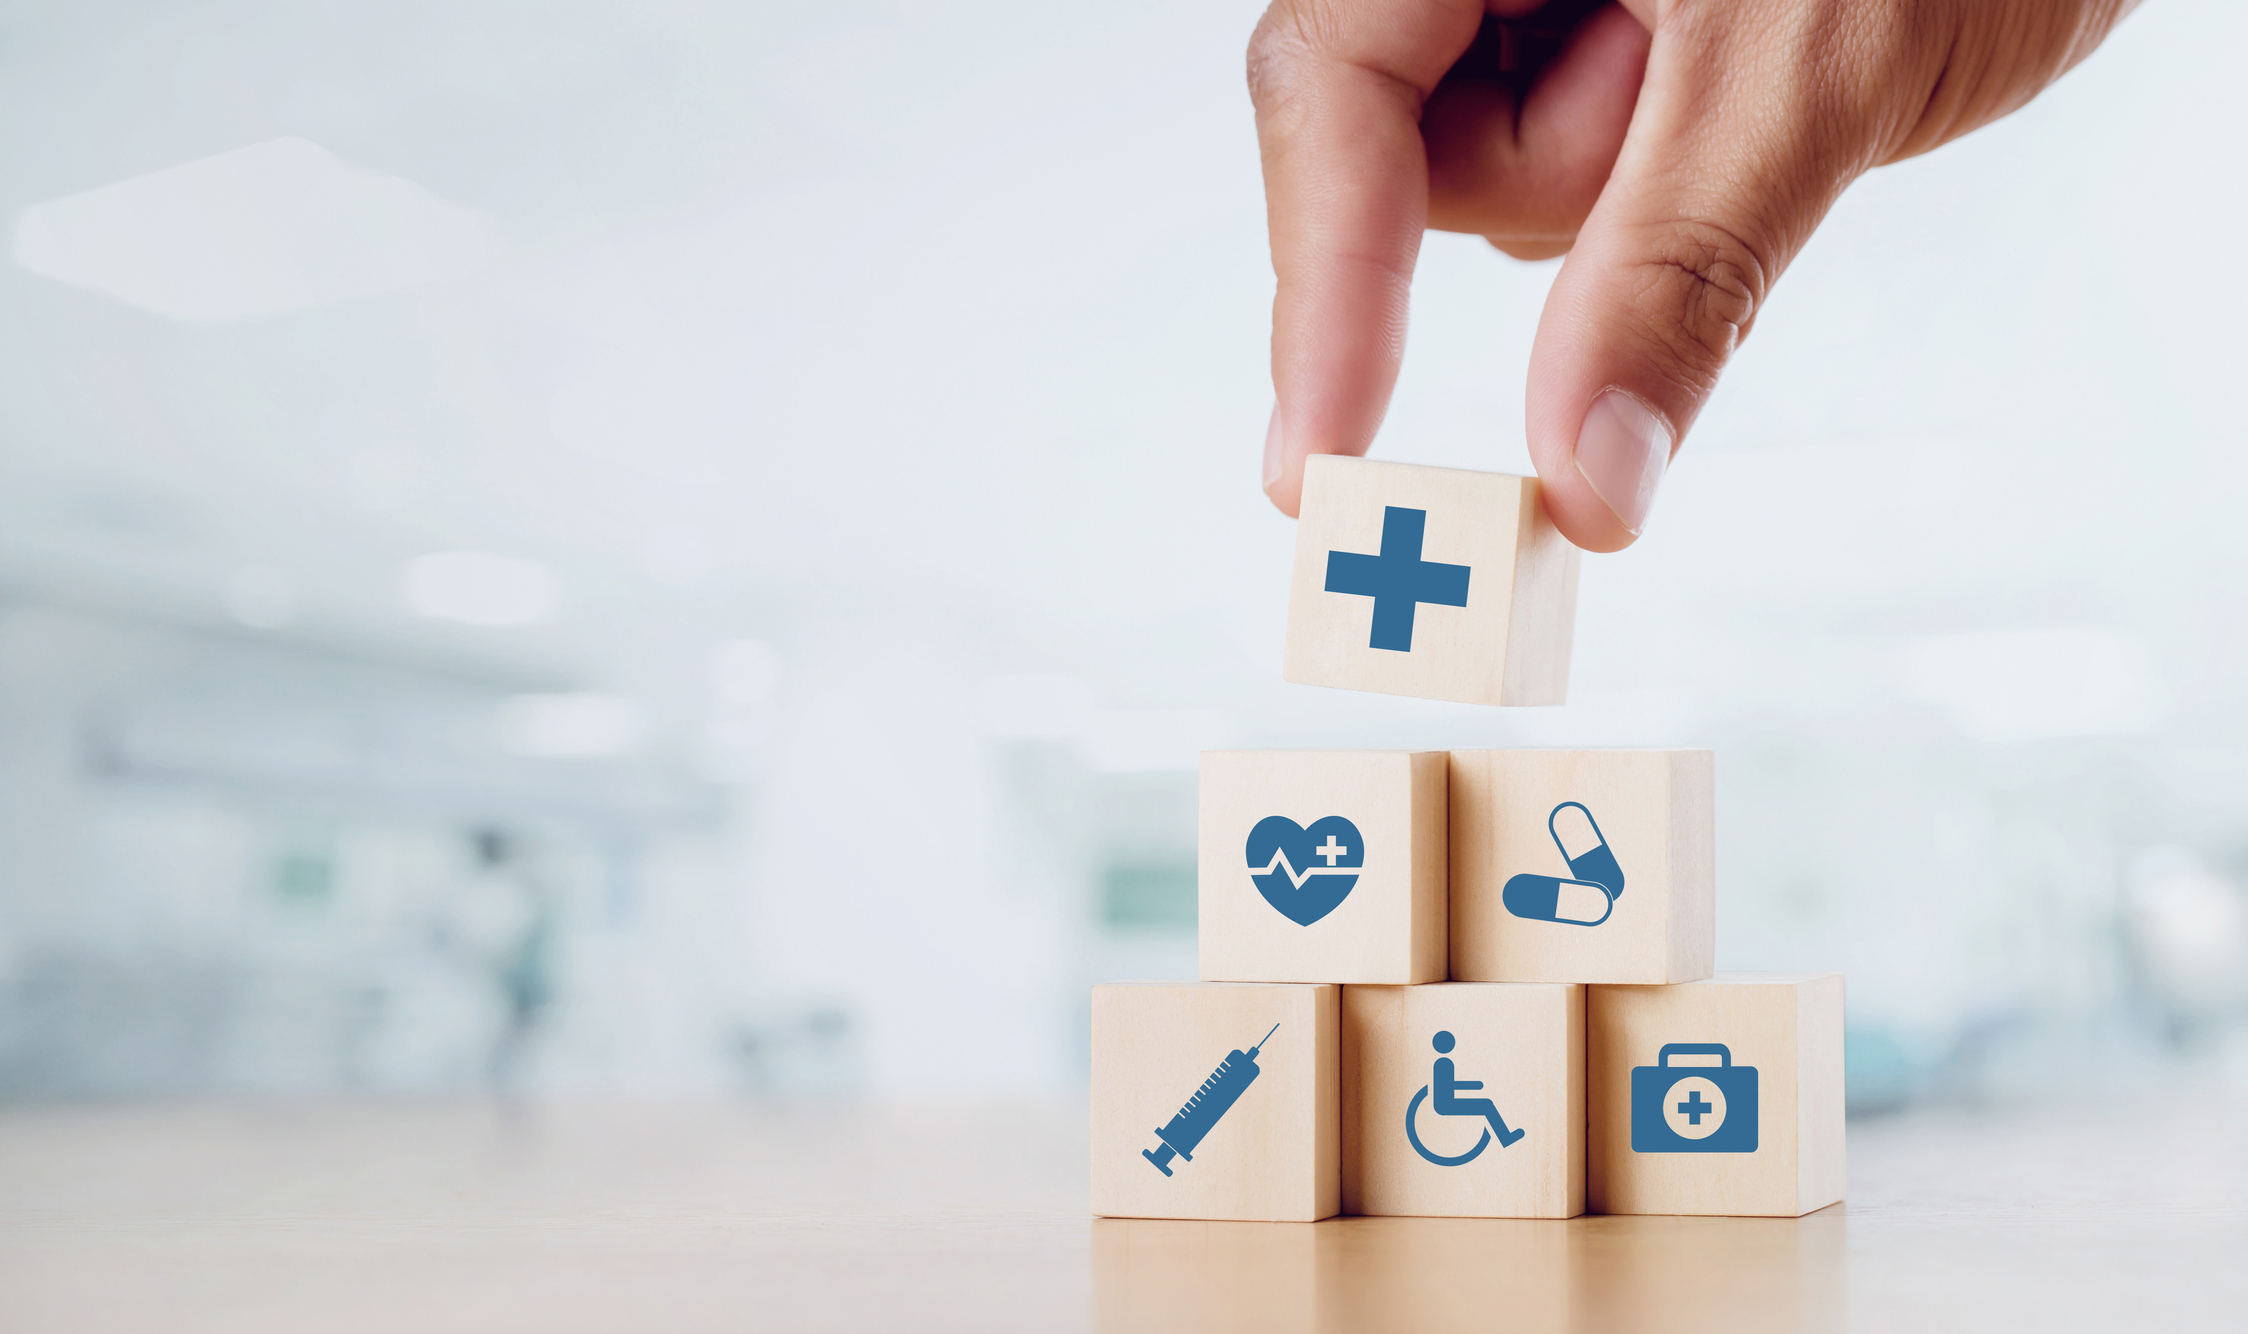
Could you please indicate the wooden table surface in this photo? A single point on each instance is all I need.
(717, 1216)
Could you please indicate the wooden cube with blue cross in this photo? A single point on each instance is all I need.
(1436, 582)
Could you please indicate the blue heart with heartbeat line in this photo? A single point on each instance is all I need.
(1305, 873)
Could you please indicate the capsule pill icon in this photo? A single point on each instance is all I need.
(1588, 894)
(1585, 848)
(1553, 898)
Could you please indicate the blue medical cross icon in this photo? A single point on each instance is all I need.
(1696, 1107)
(1398, 580)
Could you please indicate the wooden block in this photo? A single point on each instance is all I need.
(1435, 582)
(1216, 1100)
(1583, 865)
(1322, 866)
(1716, 1097)
(1520, 1154)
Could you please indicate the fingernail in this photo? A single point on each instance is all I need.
(1272, 449)
(1622, 451)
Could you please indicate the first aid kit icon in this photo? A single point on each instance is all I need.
(1693, 1108)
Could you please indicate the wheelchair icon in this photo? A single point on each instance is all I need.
(1448, 1103)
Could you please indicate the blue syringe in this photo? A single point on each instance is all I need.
(1216, 1096)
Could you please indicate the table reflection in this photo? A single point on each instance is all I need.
(1740, 1275)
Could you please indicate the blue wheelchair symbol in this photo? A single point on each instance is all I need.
(1449, 1104)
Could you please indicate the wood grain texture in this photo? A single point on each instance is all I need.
(718, 1215)
(1542, 627)
(1509, 645)
(1392, 925)
(1523, 1041)
(1657, 811)
(1275, 1155)
(1785, 1026)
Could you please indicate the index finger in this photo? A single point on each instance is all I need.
(1338, 88)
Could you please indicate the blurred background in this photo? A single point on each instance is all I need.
(659, 546)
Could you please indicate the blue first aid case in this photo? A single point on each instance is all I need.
(1651, 1084)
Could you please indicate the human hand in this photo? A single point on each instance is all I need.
(1679, 151)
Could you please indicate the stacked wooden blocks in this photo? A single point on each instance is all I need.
(1473, 983)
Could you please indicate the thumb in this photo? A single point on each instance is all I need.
(1723, 175)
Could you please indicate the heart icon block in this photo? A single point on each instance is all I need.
(1330, 854)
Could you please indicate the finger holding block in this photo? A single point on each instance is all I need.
(1722, 1096)
(1464, 1099)
(1215, 1100)
(1322, 866)
(1436, 582)
(1583, 865)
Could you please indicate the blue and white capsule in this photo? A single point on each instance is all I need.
(1588, 894)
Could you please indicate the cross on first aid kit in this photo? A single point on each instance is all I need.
(1693, 1108)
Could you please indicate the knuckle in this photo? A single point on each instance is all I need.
(1844, 71)
(1277, 50)
(1706, 25)
(1701, 286)
(1302, 51)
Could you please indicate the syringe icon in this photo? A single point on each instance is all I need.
(1216, 1096)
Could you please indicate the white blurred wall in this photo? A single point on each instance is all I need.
(919, 348)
